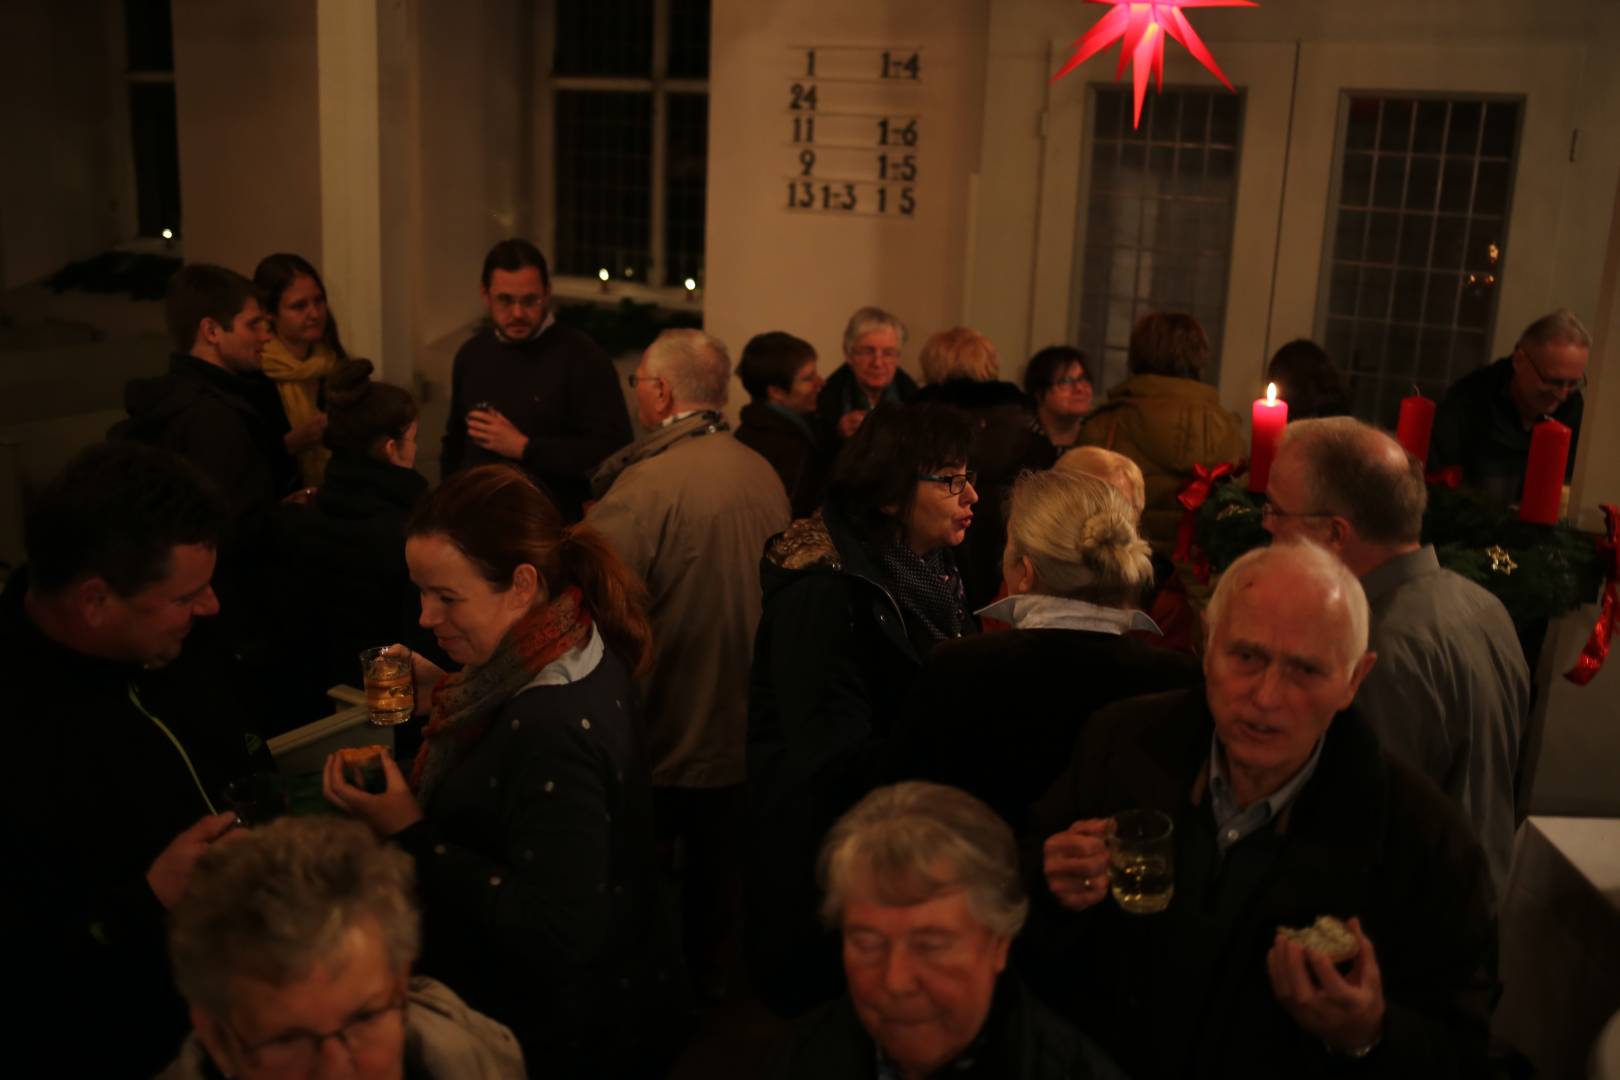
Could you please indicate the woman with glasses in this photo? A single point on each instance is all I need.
(998, 714)
(856, 598)
(869, 376)
(1059, 383)
(962, 368)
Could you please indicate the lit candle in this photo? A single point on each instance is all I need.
(1416, 425)
(1544, 472)
(1270, 417)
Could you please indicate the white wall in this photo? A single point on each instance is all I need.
(66, 190)
(247, 99)
(772, 269)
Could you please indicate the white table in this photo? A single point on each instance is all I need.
(1560, 933)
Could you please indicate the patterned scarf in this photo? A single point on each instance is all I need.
(465, 703)
(927, 586)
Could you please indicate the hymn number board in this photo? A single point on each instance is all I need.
(854, 129)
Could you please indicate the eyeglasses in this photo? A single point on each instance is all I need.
(958, 482)
(636, 379)
(1562, 385)
(867, 352)
(297, 1051)
(1269, 509)
(528, 302)
(1070, 380)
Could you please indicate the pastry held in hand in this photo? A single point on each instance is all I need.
(362, 767)
(1327, 936)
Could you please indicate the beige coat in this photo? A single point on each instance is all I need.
(1166, 425)
(690, 509)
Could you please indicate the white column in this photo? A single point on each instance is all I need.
(351, 206)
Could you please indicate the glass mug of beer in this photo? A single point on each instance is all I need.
(1141, 861)
(390, 684)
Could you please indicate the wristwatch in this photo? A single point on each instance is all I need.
(1356, 1053)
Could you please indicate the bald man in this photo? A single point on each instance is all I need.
(1284, 809)
(1451, 693)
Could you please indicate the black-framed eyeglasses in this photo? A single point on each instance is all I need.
(1564, 385)
(1071, 380)
(636, 379)
(297, 1051)
(1269, 509)
(958, 482)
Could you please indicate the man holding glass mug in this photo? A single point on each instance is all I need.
(1283, 809)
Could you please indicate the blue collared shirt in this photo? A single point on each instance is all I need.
(1232, 822)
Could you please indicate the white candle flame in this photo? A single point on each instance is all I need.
(1271, 393)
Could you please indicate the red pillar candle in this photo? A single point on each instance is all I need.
(1270, 417)
(1544, 473)
(1415, 426)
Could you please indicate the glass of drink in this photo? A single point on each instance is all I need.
(390, 684)
(1141, 861)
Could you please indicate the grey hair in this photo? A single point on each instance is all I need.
(1080, 536)
(696, 366)
(1324, 567)
(1359, 473)
(278, 900)
(1561, 327)
(868, 319)
(912, 842)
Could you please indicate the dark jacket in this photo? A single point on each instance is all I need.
(231, 427)
(535, 866)
(1478, 428)
(998, 714)
(841, 394)
(795, 450)
(833, 664)
(1004, 445)
(1365, 837)
(1021, 1040)
(96, 791)
(343, 557)
(558, 388)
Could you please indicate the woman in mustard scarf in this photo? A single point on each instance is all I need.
(301, 354)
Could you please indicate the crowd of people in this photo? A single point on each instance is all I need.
(837, 712)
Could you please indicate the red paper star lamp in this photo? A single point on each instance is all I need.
(1140, 29)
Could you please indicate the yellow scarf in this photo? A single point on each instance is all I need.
(299, 382)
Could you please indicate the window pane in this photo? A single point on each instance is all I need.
(148, 39)
(604, 37)
(604, 182)
(157, 157)
(1410, 296)
(689, 39)
(685, 171)
(1159, 224)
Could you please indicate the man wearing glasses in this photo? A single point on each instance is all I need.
(529, 390)
(1483, 425)
(293, 948)
(870, 375)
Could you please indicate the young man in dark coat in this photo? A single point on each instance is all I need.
(779, 372)
(1285, 809)
(216, 409)
(528, 390)
(122, 738)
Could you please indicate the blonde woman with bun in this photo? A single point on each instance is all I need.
(998, 714)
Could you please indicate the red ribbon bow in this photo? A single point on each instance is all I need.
(1450, 476)
(1596, 651)
(1194, 495)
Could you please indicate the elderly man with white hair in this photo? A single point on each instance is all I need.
(690, 508)
(1284, 810)
(1450, 695)
(922, 882)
